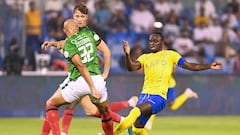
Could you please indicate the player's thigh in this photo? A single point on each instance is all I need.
(88, 106)
(171, 96)
(56, 99)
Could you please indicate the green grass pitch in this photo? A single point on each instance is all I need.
(171, 125)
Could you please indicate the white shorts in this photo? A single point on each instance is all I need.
(65, 82)
(74, 90)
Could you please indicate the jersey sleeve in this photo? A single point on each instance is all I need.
(178, 59)
(96, 38)
(69, 50)
(141, 59)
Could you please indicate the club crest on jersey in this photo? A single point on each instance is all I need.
(96, 37)
(66, 54)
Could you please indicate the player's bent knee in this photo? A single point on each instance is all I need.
(90, 112)
(49, 102)
(54, 102)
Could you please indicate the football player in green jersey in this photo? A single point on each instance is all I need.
(80, 50)
(80, 15)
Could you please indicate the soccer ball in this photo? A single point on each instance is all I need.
(157, 24)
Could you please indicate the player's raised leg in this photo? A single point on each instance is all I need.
(181, 99)
(149, 124)
(120, 105)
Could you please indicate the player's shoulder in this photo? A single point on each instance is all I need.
(144, 55)
(70, 41)
(170, 51)
(85, 29)
(173, 52)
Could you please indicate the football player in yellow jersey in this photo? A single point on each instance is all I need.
(173, 102)
(158, 67)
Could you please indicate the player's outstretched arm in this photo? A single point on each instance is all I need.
(199, 67)
(131, 66)
(57, 44)
(216, 65)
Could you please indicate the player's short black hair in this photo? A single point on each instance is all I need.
(159, 33)
(82, 8)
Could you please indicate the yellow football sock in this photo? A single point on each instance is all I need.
(139, 131)
(152, 118)
(150, 122)
(128, 121)
(179, 101)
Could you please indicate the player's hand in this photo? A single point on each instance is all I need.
(45, 45)
(126, 47)
(96, 94)
(216, 65)
(60, 44)
(104, 76)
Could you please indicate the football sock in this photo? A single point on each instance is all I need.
(151, 119)
(45, 127)
(128, 121)
(66, 120)
(140, 131)
(118, 106)
(179, 101)
(52, 116)
(150, 122)
(107, 123)
(115, 117)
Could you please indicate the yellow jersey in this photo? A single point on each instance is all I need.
(172, 82)
(158, 68)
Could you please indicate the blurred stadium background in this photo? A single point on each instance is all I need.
(200, 32)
